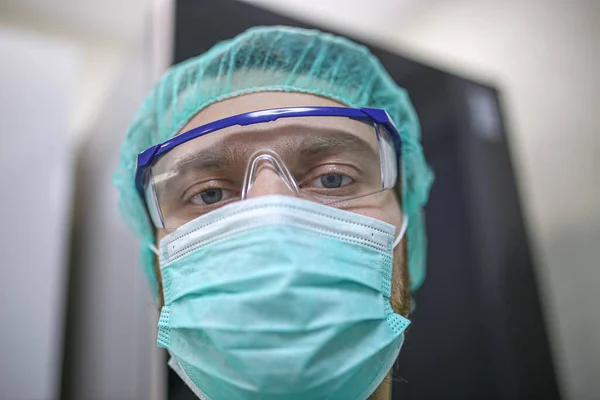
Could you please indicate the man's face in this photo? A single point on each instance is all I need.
(383, 206)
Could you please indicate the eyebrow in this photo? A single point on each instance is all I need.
(217, 156)
(337, 140)
(225, 156)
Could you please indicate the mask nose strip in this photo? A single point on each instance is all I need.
(267, 156)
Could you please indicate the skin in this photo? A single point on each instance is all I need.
(385, 207)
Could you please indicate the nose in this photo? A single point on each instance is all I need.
(267, 173)
(268, 182)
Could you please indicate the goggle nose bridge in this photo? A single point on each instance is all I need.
(267, 155)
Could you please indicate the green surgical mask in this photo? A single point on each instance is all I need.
(279, 298)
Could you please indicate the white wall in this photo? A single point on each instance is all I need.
(103, 47)
(110, 351)
(37, 91)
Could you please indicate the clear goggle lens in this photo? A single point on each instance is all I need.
(335, 161)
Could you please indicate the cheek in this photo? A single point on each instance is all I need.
(386, 209)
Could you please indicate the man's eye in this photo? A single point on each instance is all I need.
(210, 196)
(332, 181)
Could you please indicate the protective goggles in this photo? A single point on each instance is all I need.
(336, 156)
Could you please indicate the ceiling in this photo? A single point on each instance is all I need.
(104, 18)
(125, 18)
(376, 16)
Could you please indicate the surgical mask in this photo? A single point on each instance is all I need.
(278, 298)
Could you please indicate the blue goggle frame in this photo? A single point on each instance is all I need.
(146, 158)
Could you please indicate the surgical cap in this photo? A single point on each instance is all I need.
(266, 59)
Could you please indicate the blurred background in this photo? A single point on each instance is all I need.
(515, 87)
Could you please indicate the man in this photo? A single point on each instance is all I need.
(277, 183)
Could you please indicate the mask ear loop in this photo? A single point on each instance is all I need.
(153, 249)
(402, 231)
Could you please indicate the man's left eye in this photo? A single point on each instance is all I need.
(332, 181)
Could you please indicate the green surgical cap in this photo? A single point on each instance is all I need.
(265, 59)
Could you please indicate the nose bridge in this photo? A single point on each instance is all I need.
(266, 173)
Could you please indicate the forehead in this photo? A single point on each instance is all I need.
(253, 102)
